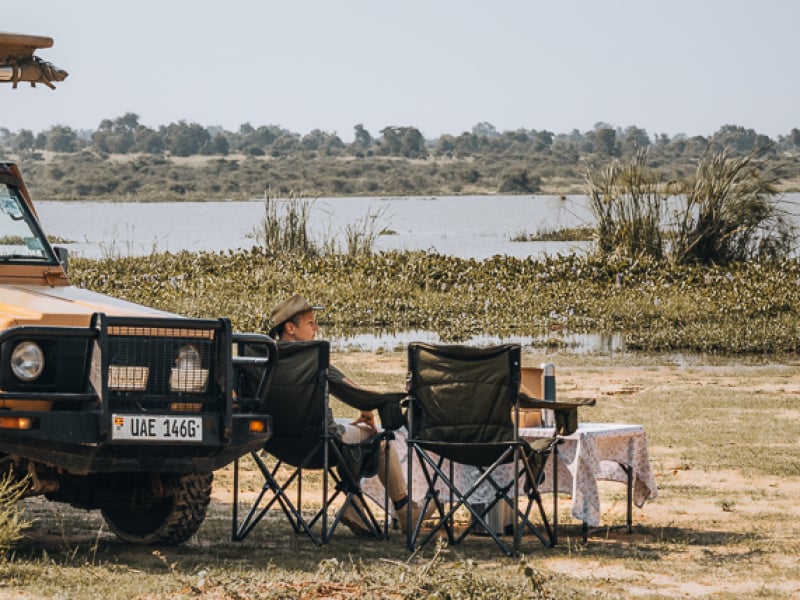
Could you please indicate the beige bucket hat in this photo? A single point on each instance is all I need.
(288, 308)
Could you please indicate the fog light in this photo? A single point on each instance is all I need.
(188, 358)
(258, 426)
(16, 423)
(27, 361)
(121, 377)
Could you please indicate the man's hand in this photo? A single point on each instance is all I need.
(368, 419)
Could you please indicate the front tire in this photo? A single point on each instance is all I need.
(167, 519)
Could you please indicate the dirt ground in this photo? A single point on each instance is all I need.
(727, 522)
(714, 531)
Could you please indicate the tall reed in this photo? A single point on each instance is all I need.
(728, 212)
(284, 227)
(283, 230)
(628, 206)
(360, 236)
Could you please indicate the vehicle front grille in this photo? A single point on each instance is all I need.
(159, 368)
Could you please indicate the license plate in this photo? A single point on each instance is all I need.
(157, 427)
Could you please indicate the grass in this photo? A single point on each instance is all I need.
(723, 445)
(12, 523)
(727, 212)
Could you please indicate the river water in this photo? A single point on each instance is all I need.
(465, 226)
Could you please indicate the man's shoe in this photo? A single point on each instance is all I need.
(416, 509)
(355, 523)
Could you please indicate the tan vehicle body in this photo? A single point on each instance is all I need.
(106, 404)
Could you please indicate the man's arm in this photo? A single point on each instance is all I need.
(359, 397)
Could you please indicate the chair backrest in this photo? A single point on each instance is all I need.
(298, 400)
(463, 394)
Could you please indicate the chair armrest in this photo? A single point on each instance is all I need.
(258, 356)
(526, 401)
(566, 412)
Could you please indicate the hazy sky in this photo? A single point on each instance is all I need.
(667, 66)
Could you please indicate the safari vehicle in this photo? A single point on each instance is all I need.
(105, 404)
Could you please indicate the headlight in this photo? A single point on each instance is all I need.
(188, 375)
(188, 358)
(27, 361)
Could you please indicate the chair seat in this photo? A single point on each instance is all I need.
(480, 455)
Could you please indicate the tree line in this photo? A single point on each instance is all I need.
(398, 160)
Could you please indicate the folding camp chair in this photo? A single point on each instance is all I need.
(304, 438)
(459, 408)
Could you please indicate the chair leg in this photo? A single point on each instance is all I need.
(272, 491)
(510, 494)
(446, 521)
(410, 537)
(257, 512)
(254, 515)
(387, 449)
(349, 485)
(235, 507)
(458, 499)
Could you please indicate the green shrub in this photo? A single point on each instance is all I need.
(11, 521)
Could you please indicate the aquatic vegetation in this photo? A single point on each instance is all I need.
(628, 204)
(745, 307)
(562, 234)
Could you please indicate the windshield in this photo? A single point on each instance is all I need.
(21, 240)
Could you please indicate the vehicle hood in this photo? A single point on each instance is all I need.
(64, 305)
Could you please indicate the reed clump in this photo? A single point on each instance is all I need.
(727, 211)
(284, 227)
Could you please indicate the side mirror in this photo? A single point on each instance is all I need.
(63, 256)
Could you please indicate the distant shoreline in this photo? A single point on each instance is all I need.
(87, 175)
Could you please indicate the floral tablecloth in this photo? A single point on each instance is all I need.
(594, 452)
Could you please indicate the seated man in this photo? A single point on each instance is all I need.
(293, 321)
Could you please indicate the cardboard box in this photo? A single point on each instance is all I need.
(531, 385)
(531, 417)
(532, 382)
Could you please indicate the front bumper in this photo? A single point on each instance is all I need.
(127, 367)
(75, 441)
